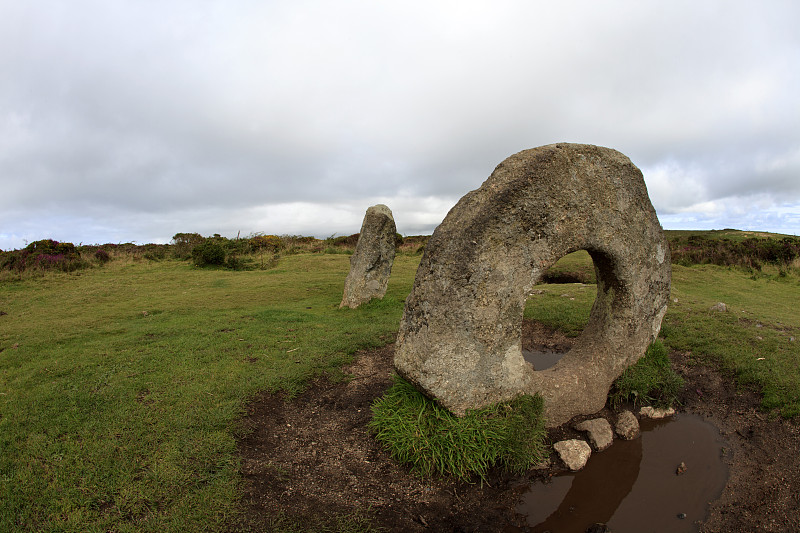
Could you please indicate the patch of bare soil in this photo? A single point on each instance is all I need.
(313, 458)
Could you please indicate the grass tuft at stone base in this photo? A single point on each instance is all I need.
(651, 381)
(417, 431)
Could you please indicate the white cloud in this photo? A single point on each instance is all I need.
(117, 114)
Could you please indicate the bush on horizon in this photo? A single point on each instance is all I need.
(43, 255)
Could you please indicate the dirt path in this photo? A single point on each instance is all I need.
(313, 459)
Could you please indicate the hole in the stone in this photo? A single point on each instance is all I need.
(556, 312)
(635, 482)
(576, 267)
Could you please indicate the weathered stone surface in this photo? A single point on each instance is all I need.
(627, 425)
(371, 263)
(459, 339)
(655, 413)
(599, 431)
(575, 453)
(720, 307)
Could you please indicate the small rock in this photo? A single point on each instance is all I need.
(575, 453)
(599, 431)
(682, 516)
(598, 528)
(627, 425)
(652, 412)
(681, 469)
(3, 313)
(720, 306)
(791, 339)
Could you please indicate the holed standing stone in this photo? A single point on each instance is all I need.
(371, 263)
(460, 336)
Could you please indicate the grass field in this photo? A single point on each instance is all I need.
(121, 387)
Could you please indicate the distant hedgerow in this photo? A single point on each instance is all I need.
(750, 252)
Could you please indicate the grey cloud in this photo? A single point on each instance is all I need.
(195, 112)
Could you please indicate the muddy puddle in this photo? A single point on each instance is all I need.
(633, 485)
(542, 360)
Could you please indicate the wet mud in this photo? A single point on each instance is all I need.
(313, 460)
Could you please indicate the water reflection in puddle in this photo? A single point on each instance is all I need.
(542, 360)
(633, 486)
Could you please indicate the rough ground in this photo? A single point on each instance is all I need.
(312, 459)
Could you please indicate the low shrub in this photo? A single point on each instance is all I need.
(208, 253)
(153, 252)
(43, 255)
(432, 440)
(102, 256)
(348, 241)
(184, 243)
(268, 243)
(651, 381)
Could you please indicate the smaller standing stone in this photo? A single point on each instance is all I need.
(652, 412)
(371, 263)
(599, 431)
(627, 425)
(575, 453)
(720, 306)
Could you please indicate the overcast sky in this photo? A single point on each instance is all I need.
(133, 120)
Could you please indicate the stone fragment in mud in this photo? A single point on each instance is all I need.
(656, 414)
(574, 453)
(627, 425)
(599, 431)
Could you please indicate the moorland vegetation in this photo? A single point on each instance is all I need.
(125, 369)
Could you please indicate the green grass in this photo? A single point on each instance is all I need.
(122, 386)
(651, 381)
(753, 340)
(565, 307)
(418, 432)
(573, 268)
